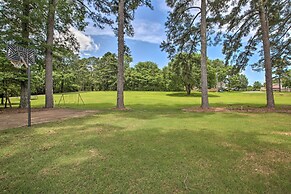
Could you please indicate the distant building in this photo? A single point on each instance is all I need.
(276, 87)
(221, 86)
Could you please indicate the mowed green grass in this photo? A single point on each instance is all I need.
(154, 147)
(161, 100)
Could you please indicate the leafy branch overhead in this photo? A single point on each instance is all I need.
(241, 29)
(182, 28)
(130, 7)
(255, 26)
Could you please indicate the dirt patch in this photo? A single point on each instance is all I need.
(12, 118)
(122, 109)
(282, 133)
(285, 109)
(198, 109)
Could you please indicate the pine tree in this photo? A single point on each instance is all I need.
(204, 84)
(68, 14)
(49, 102)
(264, 24)
(280, 67)
(120, 75)
(184, 35)
(124, 10)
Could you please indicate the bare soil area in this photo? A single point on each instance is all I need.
(12, 118)
(285, 109)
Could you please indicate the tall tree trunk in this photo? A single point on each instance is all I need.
(62, 85)
(279, 79)
(188, 89)
(2, 99)
(23, 94)
(25, 40)
(49, 99)
(120, 75)
(2, 94)
(204, 85)
(267, 55)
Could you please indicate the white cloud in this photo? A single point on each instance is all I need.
(148, 31)
(86, 54)
(86, 41)
(91, 30)
(144, 30)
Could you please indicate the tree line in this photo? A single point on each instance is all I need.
(71, 74)
(100, 74)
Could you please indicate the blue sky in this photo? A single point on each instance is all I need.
(145, 45)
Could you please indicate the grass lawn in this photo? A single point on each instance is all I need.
(154, 147)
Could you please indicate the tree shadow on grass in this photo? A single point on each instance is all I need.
(183, 94)
(173, 111)
(130, 160)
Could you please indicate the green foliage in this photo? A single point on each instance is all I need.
(239, 18)
(182, 29)
(172, 80)
(10, 77)
(257, 86)
(238, 82)
(67, 77)
(105, 72)
(250, 88)
(24, 22)
(13, 15)
(100, 74)
(68, 14)
(280, 67)
(37, 78)
(186, 70)
(145, 76)
(286, 80)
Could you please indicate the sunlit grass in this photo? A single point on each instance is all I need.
(154, 147)
(155, 100)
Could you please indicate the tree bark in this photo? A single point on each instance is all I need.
(62, 85)
(25, 40)
(267, 56)
(2, 99)
(49, 99)
(279, 80)
(2, 94)
(204, 85)
(120, 75)
(188, 89)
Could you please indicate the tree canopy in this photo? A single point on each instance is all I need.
(251, 26)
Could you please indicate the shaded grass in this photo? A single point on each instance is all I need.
(152, 148)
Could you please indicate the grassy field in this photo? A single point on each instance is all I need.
(154, 147)
(161, 100)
